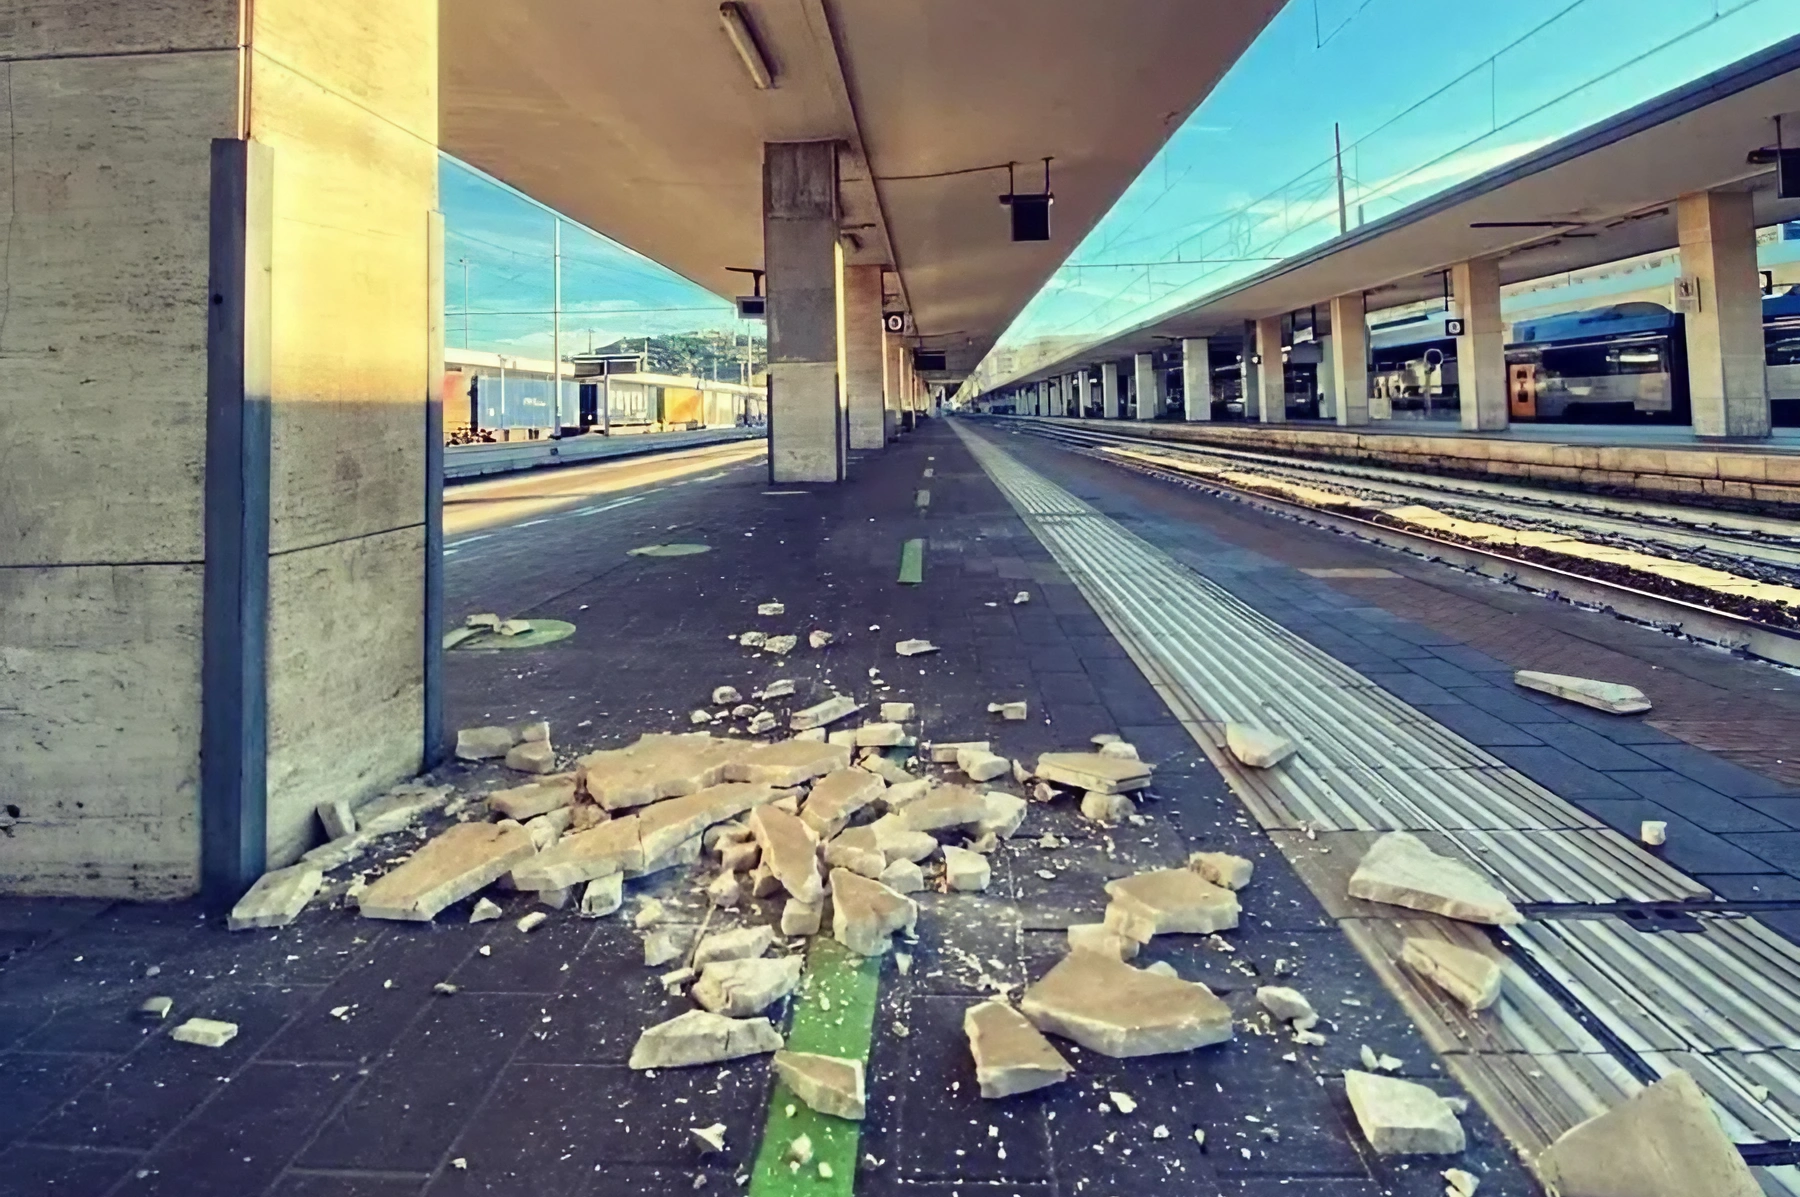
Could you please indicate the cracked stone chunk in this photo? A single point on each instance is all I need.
(880, 735)
(1287, 1005)
(790, 852)
(1042, 792)
(699, 715)
(486, 910)
(1097, 937)
(898, 712)
(675, 821)
(205, 1032)
(397, 809)
(743, 710)
(1169, 900)
(533, 756)
(743, 943)
(1120, 749)
(801, 918)
(1466, 975)
(1091, 771)
(780, 645)
(1222, 868)
(751, 639)
(277, 898)
(1653, 832)
(1459, 1183)
(776, 689)
(686, 852)
(898, 797)
(1011, 1056)
(897, 841)
(457, 862)
(903, 877)
(819, 638)
(740, 988)
(1257, 747)
(483, 743)
(603, 896)
(965, 871)
(1400, 870)
(946, 753)
(1402, 1118)
(662, 946)
(1011, 711)
(788, 763)
(724, 696)
(739, 858)
(865, 913)
(761, 722)
(711, 1138)
(857, 850)
(485, 621)
(155, 1009)
(913, 648)
(1110, 1007)
(536, 918)
(822, 713)
(945, 807)
(725, 891)
(612, 847)
(1615, 698)
(1665, 1141)
(837, 796)
(702, 1037)
(829, 1084)
(338, 818)
(885, 769)
(544, 832)
(1107, 808)
(658, 766)
(534, 798)
(1002, 814)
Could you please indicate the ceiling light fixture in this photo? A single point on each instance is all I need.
(743, 40)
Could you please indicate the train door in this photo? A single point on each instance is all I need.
(590, 404)
(1524, 388)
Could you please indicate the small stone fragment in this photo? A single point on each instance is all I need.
(1002, 814)
(800, 1150)
(205, 1032)
(777, 689)
(1120, 749)
(1169, 900)
(1011, 1056)
(1010, 711)
(898, 797)
(702, 1037)
(752, 639)
(771, 609)
(743, 710)
(822, 713)
(780, 645)
(276, 899)
(982, 765)
(965, 871)
(829, 1084)
(1459, 1183)
(744, 943)
(674, 981)
(338, 818)
(880, 735)
(1400, 870)
(801, 918)
(897, 712)
(724, 696)
(903, 877)
(155, 1009)
(533, 756)
(484, 621)
(1615, 698)
(858, 850)
(865, 913)
(1222, 868)
(697, 716)
(533, 921)
(1664, 1141)
(1654, 832)
(555, 899)
(1110, 1007)
(445, 989)
(1108, 809)
(648, 915)
(819, 638)
(1097, 937)
(762, 722)
(1466, 975)
(483, 743)
(913, 648)
(946, 752)
(897, 841)
(486, 910)
(725, 891)
(712, 1138)
(943, 808)
(836, 797)
(1287, 1005)
(1256, 746)
(1043, 792)
(739, 988)
(534, 798)
(1402, 1118)
(1024, 596)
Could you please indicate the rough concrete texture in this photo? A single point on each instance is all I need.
(1011, 1056)
(740, 858)
(837, 796)
(612, 847)
(789, 763)
(205, 1032)
(801, 918)
(664, 825)
(1466, 975)
(829, 1084)
(743, 943)
(898, 797)
(1110, 1007)
(898, 712)
(821, 713)
(1665, 1141)
(1002, 814)
(865, 913)
(1400, 870)
(1615, 698)
(533, 756)
(981, 765)
(483, 743)
(276, 899)
(1109, 809)
(790, 852)
(946, 752)
(900, 842)
(725, 891)
(1169, 900)
(739, 988)
(1097, 937)
(1222, 868)
(903, 877)
(457, 862)
(534, 798)
(945, 807)
(880, 735)
(1402, 1118)
(965, 871)
(1091, 771)
(702, 1037)
(858, 850)
(338, 817)
(1256, 746)
(657, 766)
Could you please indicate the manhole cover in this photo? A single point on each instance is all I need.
(543, 631)
(670, 550)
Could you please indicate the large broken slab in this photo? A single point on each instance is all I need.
(1097, 937)
(657, 766)
(865, 914)
(739, 988)
(277, 898)
(1256, 746)
(965, 871)
(1169, 900)
(829, 1084)
(1091, 771)
(837, 796)
(1002, 814)
(858, 850)
(943, 808)
(1110, 1007)
(790, 852)
(483, 743)
(1615, 698)
(1466, 975)
(742, 943)
(702, 1037)
(675, 821)
(452, 865)
(788, 763)
(1663, 1142)
(1011, 1055)
(535, 798)
(612, 847)
(1402, 1118)
(897, 841)
(1400, 870)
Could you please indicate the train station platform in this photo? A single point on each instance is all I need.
(1151, 613)
(1668, 464)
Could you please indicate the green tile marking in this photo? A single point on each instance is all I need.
(834, 1016)
(912, 562)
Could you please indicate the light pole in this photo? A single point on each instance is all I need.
(465, 266)
(556, 325)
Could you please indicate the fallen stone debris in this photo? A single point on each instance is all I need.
(702, 1037)
(914, 648)
(1615, 698)
(1169, 900)
(1011, 1055)
(1654, 832)
(276, 899)
(1403, 1118)
(155, 1009)
(205, 1032)
(1257, 747)
(1400, 870)
(1222, 868)
(1665, 1141)
(1112, 1008)
(1466, 975)
(829, 1084)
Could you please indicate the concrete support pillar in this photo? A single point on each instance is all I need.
(1481, 350)
(1727, 379)
(804, 263)
(863, 348)
(890, 384)
(1271, 377)
(215, 589)
(1350, 359)
(1084, 392)
(1147, 381)
(1109, 390)
(1196, 378)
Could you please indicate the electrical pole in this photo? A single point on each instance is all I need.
(1337, 138)
(465, 266)
(556, 325)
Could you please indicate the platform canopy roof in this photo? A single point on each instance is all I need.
(640, 119)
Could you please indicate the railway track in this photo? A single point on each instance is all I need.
(1731, 580)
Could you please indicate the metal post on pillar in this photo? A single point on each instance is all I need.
(1271, 374)
(434, 742)
(1727, 377)
(1109, 390)
(1196, 378)
(1481, 348)
(803, 260)
(1350, 358)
